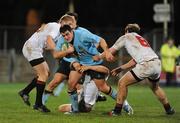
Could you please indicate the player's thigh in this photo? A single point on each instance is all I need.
(42, 69)
(100, 83)
(152, 85)
(74, 77)
(127, 79)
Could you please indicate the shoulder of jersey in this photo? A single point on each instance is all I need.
(83, 29)
(53, 24)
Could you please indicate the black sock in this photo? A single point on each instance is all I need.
(30, 86)
(48, 92)
(167, 107)
(118, 108)
(40, 89)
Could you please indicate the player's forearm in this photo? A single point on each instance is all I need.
(99, 68)
(111, 50)
(103, 44)
(128, 65)
(59, 54)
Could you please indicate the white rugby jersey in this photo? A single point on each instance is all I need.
(38, 39)
(136, 46)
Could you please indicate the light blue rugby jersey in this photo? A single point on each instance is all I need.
(60, 42)
(85, 46)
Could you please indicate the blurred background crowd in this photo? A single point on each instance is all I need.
(19, 19)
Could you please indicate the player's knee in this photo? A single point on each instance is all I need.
(103, 89)
(46, 74)
(43, 76)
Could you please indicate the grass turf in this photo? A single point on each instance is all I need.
(147, 108)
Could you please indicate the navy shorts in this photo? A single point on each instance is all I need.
(64, 67)
(36, 61)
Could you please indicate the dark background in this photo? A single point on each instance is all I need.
(92, 13)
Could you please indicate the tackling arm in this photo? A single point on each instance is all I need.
(128, 65)
(98, 68)
(107, 53)
(58, 54)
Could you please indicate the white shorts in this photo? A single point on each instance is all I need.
(149, 69)
(90, 93)
(30, 52)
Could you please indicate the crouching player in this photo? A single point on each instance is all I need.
(89, 91)
(87, 97)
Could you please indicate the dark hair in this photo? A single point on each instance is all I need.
(132, 28)
(73, 14)
(65, 28)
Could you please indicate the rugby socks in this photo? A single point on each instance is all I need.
(167, 107)
(48, 92)
(30, 86)
(59, 89)
(112, 93)
(169, 110)
(74, 100)
(45, 96)
(118, 108)
(40, 89)
(125, 102)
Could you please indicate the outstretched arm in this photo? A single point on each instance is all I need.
(107, 53)
(126, 66)
(117, 45)
(98, 68)
(103, 55)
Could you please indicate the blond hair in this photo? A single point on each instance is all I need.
(66, 18)
(132, 28)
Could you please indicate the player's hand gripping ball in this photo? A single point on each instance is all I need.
(65, 46)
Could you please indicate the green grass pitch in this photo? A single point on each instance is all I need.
(147, 108)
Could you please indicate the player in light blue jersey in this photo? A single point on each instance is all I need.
(84, 43)
(62, 73)
(63, 70)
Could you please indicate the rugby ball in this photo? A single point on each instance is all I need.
(64, 46)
